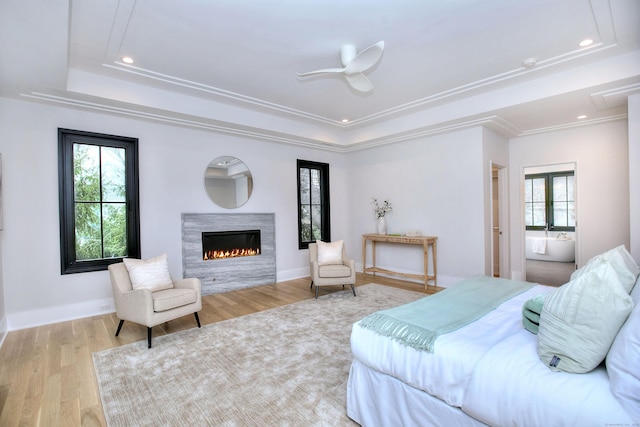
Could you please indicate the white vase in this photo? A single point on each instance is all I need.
(382, 225)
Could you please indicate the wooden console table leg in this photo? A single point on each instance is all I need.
(435, 263)
(364, 255)
(425, 248)
(373, 256)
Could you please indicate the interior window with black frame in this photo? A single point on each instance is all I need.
(99, 206)
(313, 203)
(549, 200)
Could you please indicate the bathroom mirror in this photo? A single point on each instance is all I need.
(228, 182)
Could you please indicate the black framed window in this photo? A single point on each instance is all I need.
(313, 203)
(549, 200)
(99, 204)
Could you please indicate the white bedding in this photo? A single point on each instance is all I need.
(446, 372)
(379, 400)
(501, 388)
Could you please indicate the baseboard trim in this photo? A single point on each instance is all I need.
(57, 314)
(3, 330)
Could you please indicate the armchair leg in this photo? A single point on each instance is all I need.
(119, 327)
(353, 289)
(316, 292)
(197, 318)
(311, 286)
(149, 336)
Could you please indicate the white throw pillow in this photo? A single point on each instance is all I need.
(330, 253)
(152, 273)
(580, 320)
(623, 365)
(618, 261)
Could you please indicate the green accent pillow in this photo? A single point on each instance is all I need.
(580, 320)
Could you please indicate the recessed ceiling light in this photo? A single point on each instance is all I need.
(127, 60)
(582, 116)
(345, 120)
(529, 63)
(586, 42)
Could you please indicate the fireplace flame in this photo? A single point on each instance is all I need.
(232, 253)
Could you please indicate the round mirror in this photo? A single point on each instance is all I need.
(228, 182)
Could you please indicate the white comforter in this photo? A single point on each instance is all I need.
(511, 387)
(490, 369)
(446, 372)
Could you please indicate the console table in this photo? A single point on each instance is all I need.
(424, 241)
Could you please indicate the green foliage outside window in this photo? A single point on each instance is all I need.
(99, 204)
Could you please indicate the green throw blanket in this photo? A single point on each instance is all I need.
(531, 313)
(419, 323)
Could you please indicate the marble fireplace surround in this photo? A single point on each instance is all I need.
(222, 275)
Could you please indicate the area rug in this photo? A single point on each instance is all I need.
(287, 366)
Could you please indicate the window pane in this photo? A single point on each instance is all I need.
(113, 174)
(305, 222)
(86, 172)
(539, 214)
(560, 214)
(527, 190)
(571, 220)
(115, 229)
(305, 184)
(315, 187)
(528, 214)
(539, 192)
(316, 222)
(88, 231)
(570, 191)
(560, 188)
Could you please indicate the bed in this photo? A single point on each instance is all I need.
(490, 371)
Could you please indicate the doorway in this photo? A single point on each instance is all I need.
(499, 217)
(550, 225)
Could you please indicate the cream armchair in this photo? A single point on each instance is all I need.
(149, 308)
(330, 266)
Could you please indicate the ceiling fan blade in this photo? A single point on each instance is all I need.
(323, 71)
(365, 59)
(359, 82)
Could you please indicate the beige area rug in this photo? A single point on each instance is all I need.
(287, 366)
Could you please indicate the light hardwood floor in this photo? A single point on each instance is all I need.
(46, 373)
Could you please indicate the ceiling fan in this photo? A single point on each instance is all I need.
(355, 64)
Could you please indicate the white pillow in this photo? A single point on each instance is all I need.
(329, 253)
(623, 365)
(580, 320)
(619, 262)
(152, 273)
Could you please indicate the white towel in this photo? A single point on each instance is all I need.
(539, 245)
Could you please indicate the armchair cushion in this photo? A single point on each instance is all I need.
(172, 298)
(330, 253)
(152, 273)
(334, 270)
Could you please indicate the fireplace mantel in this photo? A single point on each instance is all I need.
(222, 275)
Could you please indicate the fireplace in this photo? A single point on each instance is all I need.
(230, 244)
(230, 273)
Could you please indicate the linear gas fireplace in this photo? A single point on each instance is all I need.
(230, 244)
(229, 251)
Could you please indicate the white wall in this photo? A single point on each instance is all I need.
(435, 185)
(438, 185)
(634, 174)
(172, 165)
(602, 184)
